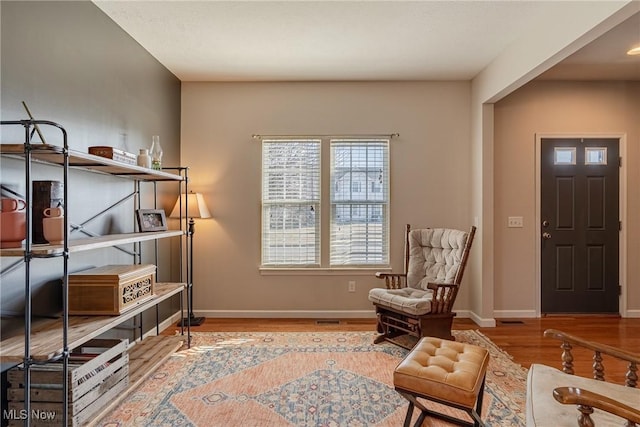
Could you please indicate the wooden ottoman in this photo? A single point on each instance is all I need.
(447, 372)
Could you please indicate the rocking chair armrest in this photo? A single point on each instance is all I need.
(382, 275)
(578, 396)
(393, 280)
(435, 286)
(444, 295)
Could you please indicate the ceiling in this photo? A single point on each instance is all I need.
(353, 40)
(605, 58)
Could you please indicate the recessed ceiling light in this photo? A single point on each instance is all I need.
(634, 51)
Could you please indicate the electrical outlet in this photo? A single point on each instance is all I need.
(515, 222)
(352, 286)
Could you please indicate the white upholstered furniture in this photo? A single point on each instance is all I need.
(419, 301)
(557, 398)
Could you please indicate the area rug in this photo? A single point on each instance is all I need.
(253, 379)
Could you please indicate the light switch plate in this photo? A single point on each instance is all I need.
(515, 222)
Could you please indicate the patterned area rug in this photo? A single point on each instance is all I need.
(299, 379)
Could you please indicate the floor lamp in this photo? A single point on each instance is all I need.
(190, 205)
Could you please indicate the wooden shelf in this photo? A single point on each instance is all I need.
(89, 243)
(46, 336)
(53, 154)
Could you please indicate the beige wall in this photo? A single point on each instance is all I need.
(572, 26)
(430, 180)
(556, 108)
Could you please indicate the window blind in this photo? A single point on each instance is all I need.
(291, 202)
(359, 223)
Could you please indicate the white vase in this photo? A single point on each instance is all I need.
(144, 159)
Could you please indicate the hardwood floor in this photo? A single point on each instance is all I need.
(521, 338)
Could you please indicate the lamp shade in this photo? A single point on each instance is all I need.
(197, 206)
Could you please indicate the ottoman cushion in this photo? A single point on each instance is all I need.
(449, 371)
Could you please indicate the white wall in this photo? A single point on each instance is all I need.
(430, 181)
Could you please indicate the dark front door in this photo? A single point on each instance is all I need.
(580, 225)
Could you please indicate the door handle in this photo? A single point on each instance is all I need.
(546, 235)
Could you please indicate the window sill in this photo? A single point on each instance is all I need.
(314, 271)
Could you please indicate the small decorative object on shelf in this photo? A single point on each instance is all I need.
(110, 289)
(113, 154)
(151, 219)
(46, 194)
(13, 223)
(144, 159)
(156, 153)
(53, 225)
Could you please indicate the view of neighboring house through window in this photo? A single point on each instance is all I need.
(359, 202)
(358, 180)
(291, 202)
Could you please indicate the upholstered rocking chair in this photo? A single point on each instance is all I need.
(419, 301)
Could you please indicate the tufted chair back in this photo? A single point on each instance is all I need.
(435, 255)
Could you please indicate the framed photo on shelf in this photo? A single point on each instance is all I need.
(151, 220)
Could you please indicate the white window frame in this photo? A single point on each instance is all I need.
(363, 239)
(296, 201)
(324, 209)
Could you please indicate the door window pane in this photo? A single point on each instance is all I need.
(595, 156)
(564, 156)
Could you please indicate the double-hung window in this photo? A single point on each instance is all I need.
(359, 202)
(291, 202)
(351, 191)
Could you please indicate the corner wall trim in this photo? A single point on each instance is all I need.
(483, 323)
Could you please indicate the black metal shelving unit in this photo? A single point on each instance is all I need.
(77, 332)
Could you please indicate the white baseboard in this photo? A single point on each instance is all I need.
(523, 314)
(322, 314)
(347, 314)
(288, 314)
(170, 321)
(483, 323)
(531, 314)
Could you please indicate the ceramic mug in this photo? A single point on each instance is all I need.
(11, 205)
(13, 228)
(53, 212)
(53, 229)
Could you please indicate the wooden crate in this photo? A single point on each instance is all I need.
(98, 373)
(110, 289)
